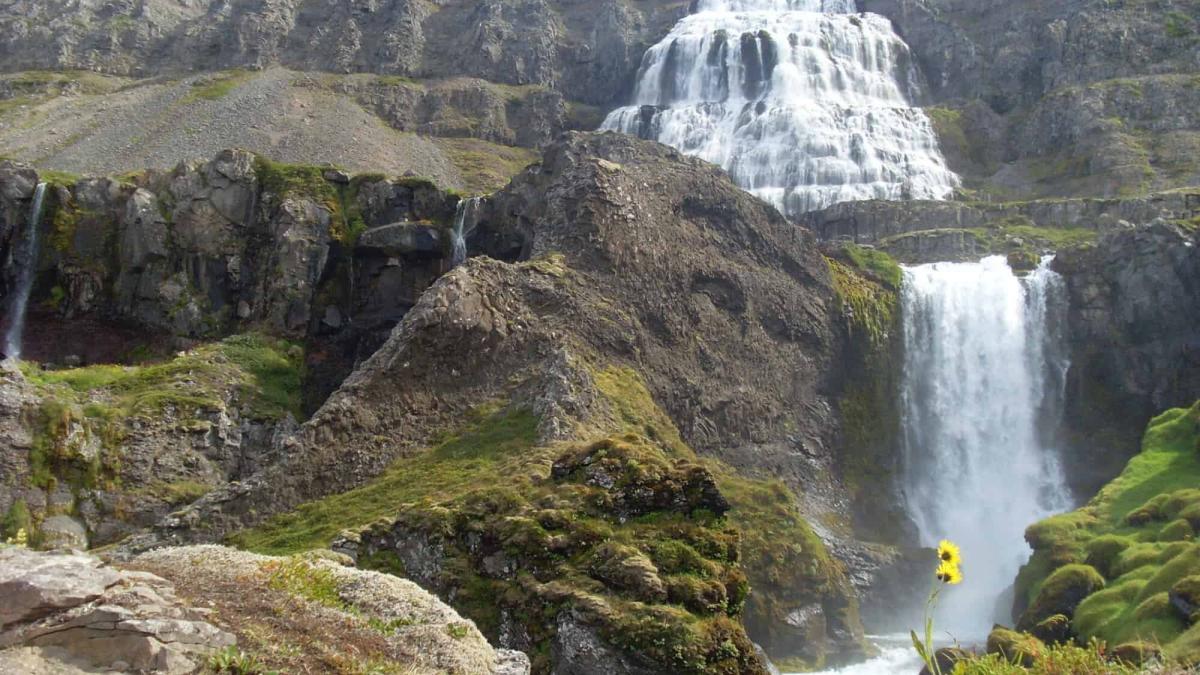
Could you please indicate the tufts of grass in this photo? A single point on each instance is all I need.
(498, 442)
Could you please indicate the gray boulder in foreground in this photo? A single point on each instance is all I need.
(70, 613)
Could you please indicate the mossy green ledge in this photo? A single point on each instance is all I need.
(1132, 548)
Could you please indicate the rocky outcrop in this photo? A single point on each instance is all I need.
(919, 232)
(630, 256)
(325, 611)
(1076, 98)
(68, 613)
(88, 466)
(1134, 350)
(624, 290)
(233, 245)
(465, 108)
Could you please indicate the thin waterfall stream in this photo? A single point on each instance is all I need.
(26, 259)
(806, 103)
(464, 213)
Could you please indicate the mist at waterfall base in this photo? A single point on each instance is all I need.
(982, 388)
(25, 258)
(806, 103)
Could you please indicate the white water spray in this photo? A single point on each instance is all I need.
(804, 102)
(464, 213)
(983, 380)
(26, 259)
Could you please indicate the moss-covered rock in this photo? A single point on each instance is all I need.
(630, 538)
(1014, 646)
(1185, 598)
(1061, 593)
(130, 443)
(1136, 533)
(1136, 653)
(1177, 530)
(1053, 630)
(1102, 552)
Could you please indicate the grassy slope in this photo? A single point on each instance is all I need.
(1137, 532)
(105, 402)
(493, 477)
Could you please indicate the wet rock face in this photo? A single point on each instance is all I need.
(228, 246)
(1134, 348)
(65, 610)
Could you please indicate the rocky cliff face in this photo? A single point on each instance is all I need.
(1070, 98)
(234, 245)
(1134, 345)
(587, 53)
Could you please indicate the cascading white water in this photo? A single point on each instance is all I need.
(804, 102)
(984, 370)
(464, 212)
(26, 260)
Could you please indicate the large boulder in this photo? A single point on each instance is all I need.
(65, 611)
(318, 602)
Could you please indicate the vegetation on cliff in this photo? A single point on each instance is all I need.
(86, 418)
(628, 533)
(1123, 568)
(867, 284)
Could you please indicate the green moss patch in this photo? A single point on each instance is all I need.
(1138, 534)
(485, 167)
(265, 372)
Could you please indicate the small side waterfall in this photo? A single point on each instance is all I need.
(464, 224)
(26, 259)
(805, 102)
(984, 372)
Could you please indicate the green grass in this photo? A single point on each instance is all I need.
(1065, 659)
(267, 370)
(497, 443)
(485, 167)
(218, 86)
(1137, 533)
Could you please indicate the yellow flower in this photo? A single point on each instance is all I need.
(948, 553)
(949, 574)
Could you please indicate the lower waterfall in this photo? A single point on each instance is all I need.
(25, 258)
(984, 371)
(983, 380)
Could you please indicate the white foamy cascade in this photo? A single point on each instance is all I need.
(26, 259)
(804, 102)
(984, 369)
(464, 213)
